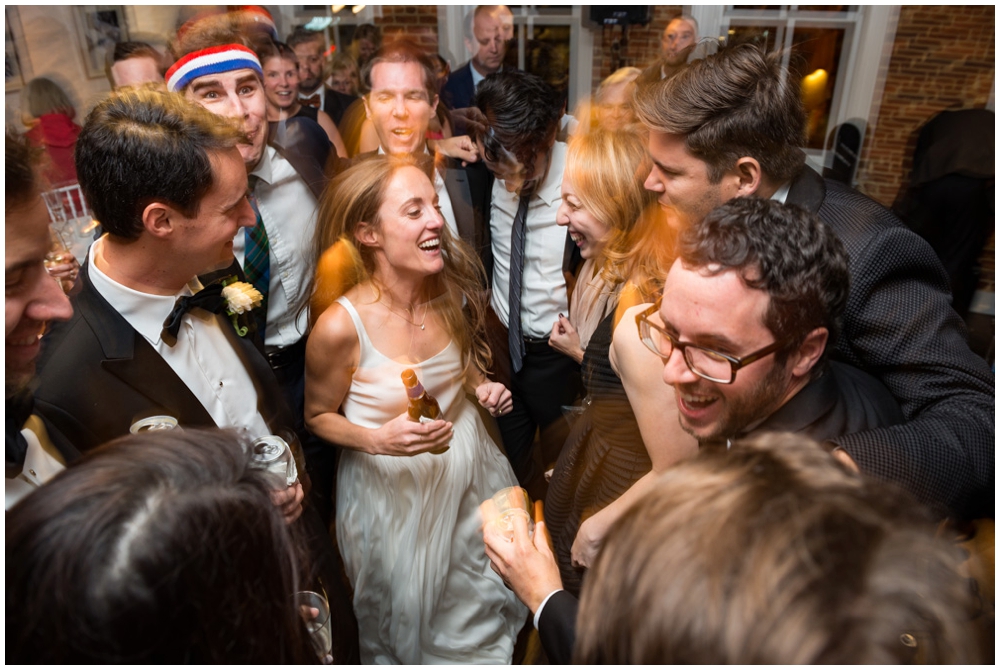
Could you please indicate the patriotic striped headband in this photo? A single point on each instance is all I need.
(213, 60)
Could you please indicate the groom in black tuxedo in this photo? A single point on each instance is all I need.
(168, 184)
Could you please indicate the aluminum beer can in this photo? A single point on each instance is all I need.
(273, 454)
(151, 423)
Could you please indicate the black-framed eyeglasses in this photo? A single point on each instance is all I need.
(706, 363)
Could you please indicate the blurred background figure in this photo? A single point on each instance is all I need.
(950, 199)
(484, 40)
(134, 63)
(281, 87)
(678, 41)
(48, 113)
(365, 43)
(344, 76)
(309, 47)
(157, 548)
(770, 553)
(33, 300)
(612, 106)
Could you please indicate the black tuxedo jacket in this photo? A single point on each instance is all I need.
(336, 103)
(98, 376)
(459, 90)
(899, 327)
(557, 627)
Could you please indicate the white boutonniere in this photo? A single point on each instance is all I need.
(240, 297)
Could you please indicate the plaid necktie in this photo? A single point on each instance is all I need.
(257, 259)
(515, 336)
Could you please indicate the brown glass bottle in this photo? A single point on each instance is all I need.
(422, 405)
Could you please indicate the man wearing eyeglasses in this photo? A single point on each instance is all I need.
(749, 311)
(730, 126)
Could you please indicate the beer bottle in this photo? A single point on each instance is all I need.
(423, 406)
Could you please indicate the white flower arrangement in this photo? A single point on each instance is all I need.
(240, 297)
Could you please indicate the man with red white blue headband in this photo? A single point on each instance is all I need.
(218, 69)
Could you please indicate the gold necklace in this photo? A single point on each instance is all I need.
(400, 315)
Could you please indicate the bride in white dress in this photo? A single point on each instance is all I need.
(389, 294)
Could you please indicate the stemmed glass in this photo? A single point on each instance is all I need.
(315, 612)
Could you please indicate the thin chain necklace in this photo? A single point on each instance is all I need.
(400, 315)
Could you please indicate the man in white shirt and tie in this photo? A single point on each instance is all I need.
(222, 74)
(519, 147)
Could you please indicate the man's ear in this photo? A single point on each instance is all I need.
(159, 219)
(749, 173)
(471, 46)
(368, 110)
(434, 104)
(805, 358)
(366, 235)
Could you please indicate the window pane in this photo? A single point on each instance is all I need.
(762, 36)
(546, 54)
(815, 62)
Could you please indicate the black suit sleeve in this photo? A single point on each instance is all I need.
(557, 627)
(899, 326)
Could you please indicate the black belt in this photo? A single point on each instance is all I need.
(536, 344)
(284, 356)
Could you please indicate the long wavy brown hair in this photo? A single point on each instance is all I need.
(355, 196)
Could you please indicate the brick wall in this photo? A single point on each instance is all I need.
(943, 57)
(643, 42)
(418, 22)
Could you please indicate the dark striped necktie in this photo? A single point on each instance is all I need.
(515, 336)
(257, 259)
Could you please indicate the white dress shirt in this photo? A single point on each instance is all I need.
(203, 357)
(288, 210)
(543, 286)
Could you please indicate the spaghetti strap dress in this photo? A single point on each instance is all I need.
(409, 528)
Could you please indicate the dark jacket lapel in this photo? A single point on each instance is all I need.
(133, 360)
(807, 190)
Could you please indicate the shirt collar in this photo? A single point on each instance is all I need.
(145, 312)
(550, 190)
(782, 193)
(265, 169)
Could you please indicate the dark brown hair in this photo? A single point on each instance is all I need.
(156, 548)
(739, 102)
(783, 250)
(142, 144)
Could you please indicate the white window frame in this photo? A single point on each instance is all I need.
(451, 43)
(868, 38)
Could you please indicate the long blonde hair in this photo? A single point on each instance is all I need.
(608, 169)
(355, 196)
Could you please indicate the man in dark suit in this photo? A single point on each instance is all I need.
(749, 311)
(33, 300)
(169, 185)
(678, 41)
(400, 103)
(484, 38)
(308, 46)
(898, 324)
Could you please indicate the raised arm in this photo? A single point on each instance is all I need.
(899, 326)
(333, 353)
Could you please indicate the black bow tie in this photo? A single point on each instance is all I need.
(209, 299)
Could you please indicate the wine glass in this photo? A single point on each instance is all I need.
(315, 612)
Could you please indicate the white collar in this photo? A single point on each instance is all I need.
(782, 193)
(145, 312)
